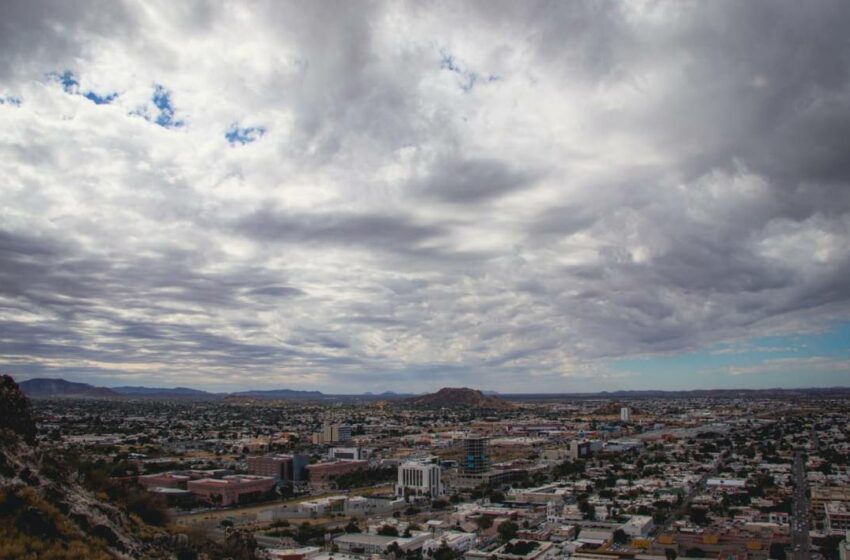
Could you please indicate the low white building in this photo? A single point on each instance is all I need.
(303, 553)
(725, 483)
(455, 540)
(638, 526)
(369, 544)
(348, 454)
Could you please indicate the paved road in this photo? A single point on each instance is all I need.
(800, 521)
(698, 489)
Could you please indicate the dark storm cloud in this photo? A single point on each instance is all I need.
(473, 181)
(48, 30)
(276, 291)
(47, 276)
(374, 231)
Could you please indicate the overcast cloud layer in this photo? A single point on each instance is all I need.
(359, 196)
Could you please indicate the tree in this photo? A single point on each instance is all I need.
(444, 552)
(388, 531)
(484, 522)
(395, 549)
(695, 552)
(670, 553)
(507, 530)
(829, 546)
(777, 551)
(241, 544)
(620, 537)
(699, 516)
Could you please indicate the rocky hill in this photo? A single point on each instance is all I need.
(461, 397)
(43, 387)
(46, 511)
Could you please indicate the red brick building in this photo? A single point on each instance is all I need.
(324, 473)
(229, 490)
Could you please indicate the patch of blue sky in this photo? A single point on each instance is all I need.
(10, 100)
(162, 101)
(71, 85)
(100, 99)
(804, 359)
(242, 136)
(67, 80)
(447, 62)
(467, 78)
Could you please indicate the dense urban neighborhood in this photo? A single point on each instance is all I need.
(473, 476)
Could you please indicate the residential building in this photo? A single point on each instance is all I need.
(458, 541)
(837, 518)
(822, 495)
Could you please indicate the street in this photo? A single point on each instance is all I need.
(800, 524)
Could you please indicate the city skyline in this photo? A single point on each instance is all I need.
(519, 197)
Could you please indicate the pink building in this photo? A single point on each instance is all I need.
(322, 473)
(164, 480)
(230, 489)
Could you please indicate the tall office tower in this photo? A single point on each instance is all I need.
(335, 433)
(625, 414)
(476, 459)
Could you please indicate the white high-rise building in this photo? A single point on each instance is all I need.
(625, 414)
(418, 478)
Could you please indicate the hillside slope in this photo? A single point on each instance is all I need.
(46, 514)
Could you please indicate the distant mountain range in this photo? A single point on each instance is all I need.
(281, 394)
(62, 388)
(161, 391)
(44, 387)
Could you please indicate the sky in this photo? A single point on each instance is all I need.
(367, 196)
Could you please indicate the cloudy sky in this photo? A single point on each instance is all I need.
(365, 196)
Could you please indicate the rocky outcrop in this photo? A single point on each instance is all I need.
(461, 397)
(15, 411)
(44, 512)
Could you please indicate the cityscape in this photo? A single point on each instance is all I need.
(424, 280)
(749, 476)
